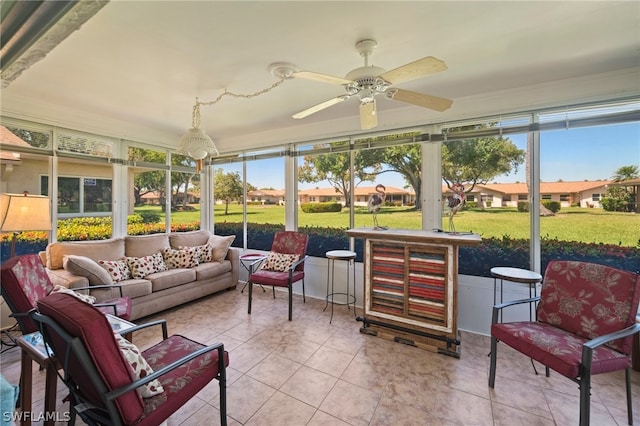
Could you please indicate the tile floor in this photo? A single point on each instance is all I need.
(310, 372)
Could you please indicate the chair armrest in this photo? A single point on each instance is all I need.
(588, 347)
(156, 374)
(497, 308)
(104, 305)
(162, 323)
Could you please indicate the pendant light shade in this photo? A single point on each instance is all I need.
(197, 144)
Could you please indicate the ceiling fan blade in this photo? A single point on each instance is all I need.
(420, 99)
(324, 78)
(413, 70)
(326, 104)
(368, 115)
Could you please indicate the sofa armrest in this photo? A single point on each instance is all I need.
(66, 279)
(233, 255)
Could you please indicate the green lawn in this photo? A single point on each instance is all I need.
(570, 224)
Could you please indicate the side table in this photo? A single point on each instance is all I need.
(332, 256)
(516, 275)
(251, 262)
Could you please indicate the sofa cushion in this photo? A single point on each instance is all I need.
(145, 245)
(135, 288)
(172, 278)
(191, 238)
(205, 271)
(118, 270)
(111, 249)
(183, 258)
(220, 246)
(85, 267)
(140, 267)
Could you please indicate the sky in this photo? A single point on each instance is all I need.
(588, 153)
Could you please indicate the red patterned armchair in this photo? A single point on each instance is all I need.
(104, 376)
(284, 266)
(585, 326)
(25, 281)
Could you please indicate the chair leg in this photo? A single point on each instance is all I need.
(250, 295)
(627, 374)
(290, 302)
(223, 399)
(492, 363)
(585, 396)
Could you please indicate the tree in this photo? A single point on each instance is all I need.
(626, 173)
(335, 167)
(407, 161)
(145, 182)
(227, 187)
(477, 161)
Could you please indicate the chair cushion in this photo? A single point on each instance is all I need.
(92, 328)
(275, 278)
(122, 304)
(181, 383)
(24, 282)
(589, 300)
(558, 349)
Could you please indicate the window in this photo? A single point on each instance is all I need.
(81, 196)
(565, 197)
(595, 197)
(523, 197)
(546, 196)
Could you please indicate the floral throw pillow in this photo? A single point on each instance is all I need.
(280, 262)
(140, 267)
(140, 368)
(117, 269)
(182, 258)
(205, 253)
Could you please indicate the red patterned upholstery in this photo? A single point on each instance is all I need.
(285, 242)
(180, 384)
(25, 281)
(579, 302)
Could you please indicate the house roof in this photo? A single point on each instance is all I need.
(547, 187)
(134, 69)
(7, 137)
(359, 191)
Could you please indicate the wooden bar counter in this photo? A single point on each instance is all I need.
(411, 286)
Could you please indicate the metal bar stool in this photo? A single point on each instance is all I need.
(350, 257)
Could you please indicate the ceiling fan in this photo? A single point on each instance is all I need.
(369, 81)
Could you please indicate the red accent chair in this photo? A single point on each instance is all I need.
(586, 320)
(25, 281)
(102, 384)
(287, 243)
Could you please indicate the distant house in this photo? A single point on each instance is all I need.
(266, 196)
(401, 197)
(581, 193)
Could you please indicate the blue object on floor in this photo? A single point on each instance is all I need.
(8, 399)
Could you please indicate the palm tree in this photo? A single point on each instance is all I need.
(626, 173)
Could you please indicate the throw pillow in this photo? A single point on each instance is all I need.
(117, 269)
(85, 267)
(140, 368)
(84, 297)
(220, 246)
(182, 258)
(140, 267)
(203, 253)
(280, 262)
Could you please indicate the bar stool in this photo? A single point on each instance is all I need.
(332, 256)
(515, 275)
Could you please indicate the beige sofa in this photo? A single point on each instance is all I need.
(85, 263)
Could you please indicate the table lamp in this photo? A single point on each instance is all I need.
(24, 212)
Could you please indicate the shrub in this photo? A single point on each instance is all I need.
(321, 207)
(523, 206)
(471, 205)
(150, 216)
(554, 206)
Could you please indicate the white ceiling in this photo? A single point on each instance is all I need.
(134, 69)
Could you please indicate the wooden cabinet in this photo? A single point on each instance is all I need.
(410, 286)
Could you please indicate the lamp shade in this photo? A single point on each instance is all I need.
(23, 212)
(196, 144)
